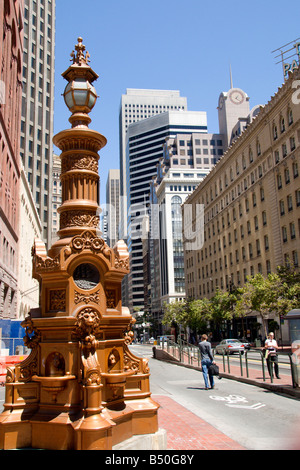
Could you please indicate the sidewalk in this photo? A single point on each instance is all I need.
(186, 431)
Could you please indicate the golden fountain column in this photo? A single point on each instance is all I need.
(81, 387)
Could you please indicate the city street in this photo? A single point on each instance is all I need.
(254, 417)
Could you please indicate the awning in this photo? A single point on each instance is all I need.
(293, 314)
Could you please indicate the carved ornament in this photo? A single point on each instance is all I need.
(87, 298)
(57, 299)
(79, 219)
(88, 241)
(79, 163)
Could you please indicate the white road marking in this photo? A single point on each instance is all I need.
(234, 401)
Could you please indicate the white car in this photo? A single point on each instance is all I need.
(229, 346)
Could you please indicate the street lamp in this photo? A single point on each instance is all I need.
(80, 95)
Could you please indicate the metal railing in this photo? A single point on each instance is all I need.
(12, 346)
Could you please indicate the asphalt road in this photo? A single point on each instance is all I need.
(256, 418)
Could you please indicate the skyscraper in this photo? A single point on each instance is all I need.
(137, 105)
(187, 160)
(37, 104)
(113, 206)
(145, 141)
(56, 195)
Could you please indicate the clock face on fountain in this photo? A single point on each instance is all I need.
(236, 96)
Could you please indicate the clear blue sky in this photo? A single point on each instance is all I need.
(185, 45)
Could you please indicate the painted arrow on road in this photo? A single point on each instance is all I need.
(256, 406)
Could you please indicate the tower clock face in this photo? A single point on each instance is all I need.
(236, 97)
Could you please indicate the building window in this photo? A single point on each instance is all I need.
(297, 197)
(279, 181)
(295, 258)
(284, 234)
(284, 150)
(287, 176)
(264, 217)
(258, 149)
(290, 202)
(292, 143)
(292, 231)
(266, 242)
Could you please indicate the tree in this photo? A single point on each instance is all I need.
(176, 313)
(198, 313)
(267, 295)
(222, 307)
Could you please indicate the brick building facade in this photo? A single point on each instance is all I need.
(11, 56)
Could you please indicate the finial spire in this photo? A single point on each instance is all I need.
(80, 58)
(231, 83)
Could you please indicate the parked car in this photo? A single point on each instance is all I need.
(229, 345)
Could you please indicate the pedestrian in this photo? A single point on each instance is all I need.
(271, 347)
(206, 360)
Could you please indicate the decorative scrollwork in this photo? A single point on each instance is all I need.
(84, 162)
(46, 264)
(87, 298)
(79, 219)
(88, 241)
(57, 300)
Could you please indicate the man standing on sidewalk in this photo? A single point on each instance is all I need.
(271, 347)
(206, 360)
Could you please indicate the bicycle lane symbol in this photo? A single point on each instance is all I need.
(237, 401)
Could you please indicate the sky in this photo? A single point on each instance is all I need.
(180, 45)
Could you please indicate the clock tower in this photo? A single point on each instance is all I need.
(233, 106)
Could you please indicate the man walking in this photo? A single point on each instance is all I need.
(206, 360)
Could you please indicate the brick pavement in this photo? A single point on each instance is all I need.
(186, 431)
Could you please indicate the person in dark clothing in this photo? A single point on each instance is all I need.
(206, 360)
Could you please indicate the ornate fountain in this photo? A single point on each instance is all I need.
(81, 387)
